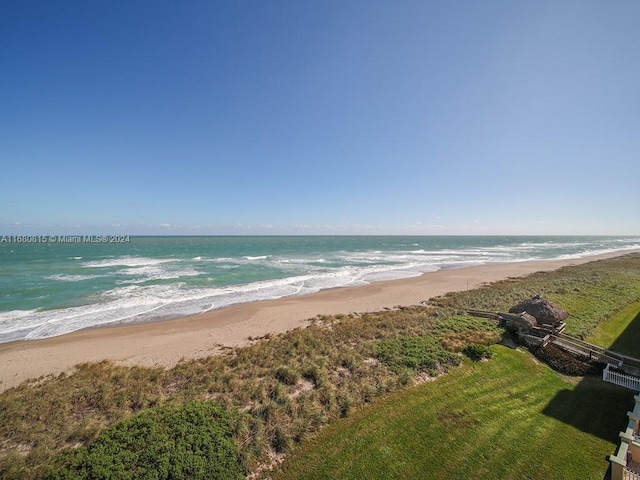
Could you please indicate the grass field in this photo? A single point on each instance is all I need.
(621, 332)
(508, 418)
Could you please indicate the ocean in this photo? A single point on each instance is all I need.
(54, 285)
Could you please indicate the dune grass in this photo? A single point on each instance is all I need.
(290, 386)
(492, 420)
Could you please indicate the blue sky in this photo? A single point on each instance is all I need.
(366, 117)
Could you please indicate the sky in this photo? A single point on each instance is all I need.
(325, 117)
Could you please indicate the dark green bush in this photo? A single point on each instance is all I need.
(191, 441)
(477, 352)
(415, 353)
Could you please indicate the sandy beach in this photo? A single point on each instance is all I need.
(166, 343)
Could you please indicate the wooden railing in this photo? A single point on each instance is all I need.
(622, 379)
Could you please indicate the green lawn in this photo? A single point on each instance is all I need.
(509, 418)
(621, 332)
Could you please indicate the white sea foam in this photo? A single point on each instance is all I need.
(15, 314)
(127, 261)
(61, 277)
(157, 272)
(21, 321)
(137, 303)
(602, 251)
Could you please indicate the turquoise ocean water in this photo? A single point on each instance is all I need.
(54, 285)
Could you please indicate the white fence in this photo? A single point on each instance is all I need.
(629, 475)
(624, 380)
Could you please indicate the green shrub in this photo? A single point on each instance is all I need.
(192, 441)
(415, 353)
(477, 352)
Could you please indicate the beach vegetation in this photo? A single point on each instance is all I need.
(287, 375)
(289, 386)
(190, 441)
(418, 354)
(477, 352)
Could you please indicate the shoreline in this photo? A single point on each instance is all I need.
(165, 343)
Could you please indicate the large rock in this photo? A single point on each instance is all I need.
(542, 309)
